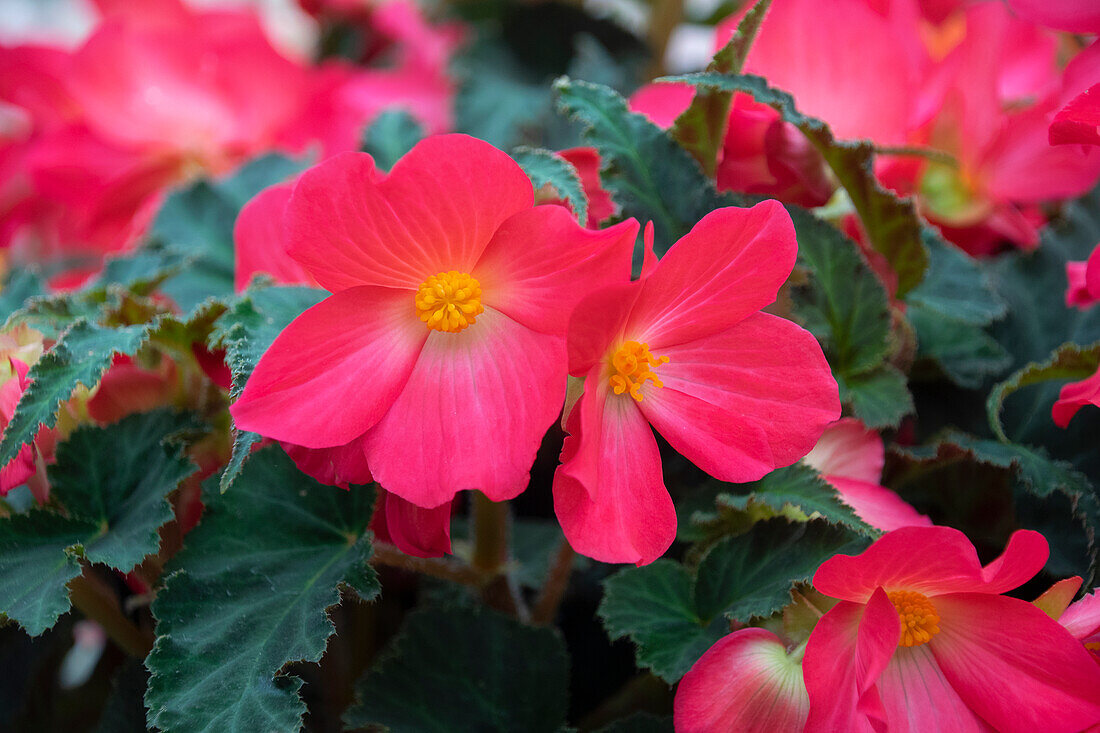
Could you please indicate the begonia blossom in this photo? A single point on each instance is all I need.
(923, 640)
(850, 456)
(1082, 620)
(687, 350)
(441, 352)
(746, 682)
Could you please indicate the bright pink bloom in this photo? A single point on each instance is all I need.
(850, 456)
(414, 530)
(259, 240)
(746, 682)
(1076, 16)
(990, 122)
(1078, 121)
(1083, 280)
(1082, 620)
(922, 640)
(1073, 397)
(443, 346)
(687, 350)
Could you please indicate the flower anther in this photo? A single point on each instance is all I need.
(449, 301)
(919, 620)
(633, 365)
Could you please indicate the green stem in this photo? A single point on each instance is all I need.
(492, 522)
(557, 580)
(437, 567)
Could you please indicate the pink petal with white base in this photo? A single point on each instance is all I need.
(877, 505)
(622, 511)
(918, 698)
(1045, 680)
(467, 418)
(335, 370)
(764, 379)
(745, 682)
(850, 449)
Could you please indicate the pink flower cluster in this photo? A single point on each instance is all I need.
(458, 310)
(978, 81)
(160, 93)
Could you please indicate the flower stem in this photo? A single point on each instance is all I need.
(98, 603)
(437, 567)
(557, 580)
(492, 522)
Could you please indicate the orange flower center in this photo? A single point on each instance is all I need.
(449, 301)
(632, 366)
(919, 620)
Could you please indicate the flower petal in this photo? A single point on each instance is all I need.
(730, 265)
(596, 323)
(745, 682)
(259, 239)
(335, 370)
(341, 465)
(847, 652)
(1014, 666)
(540, 262)
(917, 698)
(1024, 556)
(1082, 619)
(472, 414)
(743, 401)
(1073, 397)
(414, 530)
(848, 448)
(877, 505)
(609, 492)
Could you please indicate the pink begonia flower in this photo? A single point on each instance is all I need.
(261, 246)
(442, 348)
(922, 640)
(1083, 278)
(20, 348)
(22, 467)
(1082, 621)
(996, 92)
(746, 682)
(850, 456)
(687, 350)
(1073, 397)
(1075, 16)
(1078, 121)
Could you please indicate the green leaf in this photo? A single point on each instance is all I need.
(80, 356)
(797, 492)
(125, 709)
(949, 312)
(701, 128)
(673, 617)
(544, 168)
(1069, 361)
(248, 595)
(892, 225)
(194, 231)
(647, 173)
(113, 483)
(880, 398)
(392, 134)
(245, 331)
(844, 305)
(19, 285)
(465, 669)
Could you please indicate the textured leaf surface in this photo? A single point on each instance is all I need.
(113, 483)
(465, 669)
(248, 594)
(892, 224)
(647, 173)
(544, 168)
(880, 398)
(19, 285)
(392, 134)
(245, 331)
(81, 355)
(673, 617)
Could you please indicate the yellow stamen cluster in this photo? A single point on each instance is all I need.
(633, 365)
(919, 620)
(449, 301)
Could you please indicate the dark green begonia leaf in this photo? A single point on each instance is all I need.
(544, 168)
(248, 595)
(452, 670)
(673, 615)
(113, 483)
